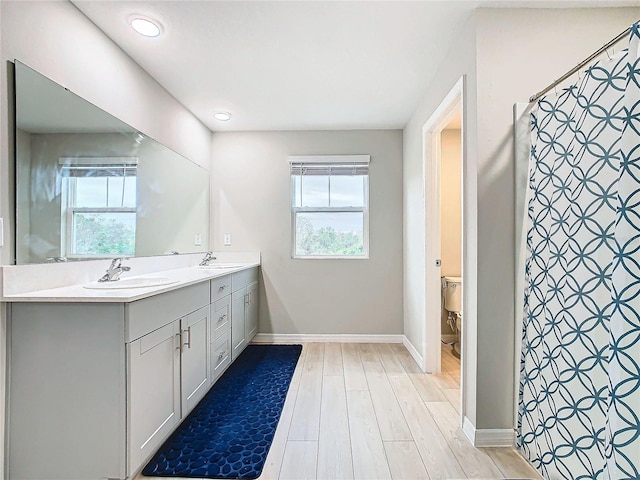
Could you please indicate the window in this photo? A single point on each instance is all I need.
(98, 214)
(330, 206)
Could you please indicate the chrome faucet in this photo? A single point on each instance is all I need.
(57, 259)
(114, 271)
(207, 258)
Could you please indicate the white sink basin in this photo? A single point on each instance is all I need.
(221, 266)
(140, 282)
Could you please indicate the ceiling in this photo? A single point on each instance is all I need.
(296, 65)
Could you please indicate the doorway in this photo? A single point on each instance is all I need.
(445, 234)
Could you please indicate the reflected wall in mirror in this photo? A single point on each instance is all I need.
(90, 186)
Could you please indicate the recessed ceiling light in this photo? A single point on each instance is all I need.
(145, 26)
(222, 116)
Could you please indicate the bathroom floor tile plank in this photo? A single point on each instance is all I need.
(334, 447)
(300, 461)
(305, 424)
(450, 362)
(315, 352)
(453, 395)
(354, 378)
(273, 463)
(391, 421)
(405, 358)
(368, 352)
(427, 387)
(371, 361)
(333, 359)
(389, 360)
(435, 451)
(404, 461)
(475, 462)
(444, 381)
(511, 463)
(369, 459)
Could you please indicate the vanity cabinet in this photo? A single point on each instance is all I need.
(110, 381)
(95, 388)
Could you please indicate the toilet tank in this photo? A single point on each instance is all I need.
(453, 294)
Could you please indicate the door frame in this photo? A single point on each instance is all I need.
(453, 102)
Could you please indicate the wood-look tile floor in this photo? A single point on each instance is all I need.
(365, 411)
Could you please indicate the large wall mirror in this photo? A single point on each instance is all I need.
(89, 186)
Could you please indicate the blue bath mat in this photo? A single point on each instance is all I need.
(228, 434)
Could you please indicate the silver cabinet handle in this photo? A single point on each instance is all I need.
(222, 317)
(188, 330)
(179, 347)
(222, 287)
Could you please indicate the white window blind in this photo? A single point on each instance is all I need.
(98, 166)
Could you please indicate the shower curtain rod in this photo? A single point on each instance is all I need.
(587, 60)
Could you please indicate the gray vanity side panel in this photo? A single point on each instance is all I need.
(149, 314)
(67, 404)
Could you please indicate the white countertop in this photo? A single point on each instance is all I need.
(182, 277)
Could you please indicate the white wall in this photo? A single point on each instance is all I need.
(451, 203)
(250, 190)
(61, 43)
(507, 55)
(460, 61)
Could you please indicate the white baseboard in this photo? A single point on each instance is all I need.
(325, 337)
(488, 437)
(412, 350)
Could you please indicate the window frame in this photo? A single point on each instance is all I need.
(69, 195)
(328, 160)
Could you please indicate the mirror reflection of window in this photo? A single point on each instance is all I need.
(98, 214)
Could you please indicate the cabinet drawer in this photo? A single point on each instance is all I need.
(221, 317)
(220, 287)
(243, 278)
(221, 355)
(146, 315)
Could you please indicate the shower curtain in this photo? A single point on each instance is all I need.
(579, 404)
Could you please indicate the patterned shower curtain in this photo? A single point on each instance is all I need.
(579, 406)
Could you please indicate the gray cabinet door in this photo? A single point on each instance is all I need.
(251, 319)
(195, 355)
(154, 391)
(238, 338)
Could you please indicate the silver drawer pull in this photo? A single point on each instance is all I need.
(222, 355)
(222, 287)
(188, 330)
(222, 317)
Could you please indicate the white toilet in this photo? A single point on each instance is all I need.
(453, 304)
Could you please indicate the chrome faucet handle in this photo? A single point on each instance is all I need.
(207, 258)
(114, 271)
(57, 259)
